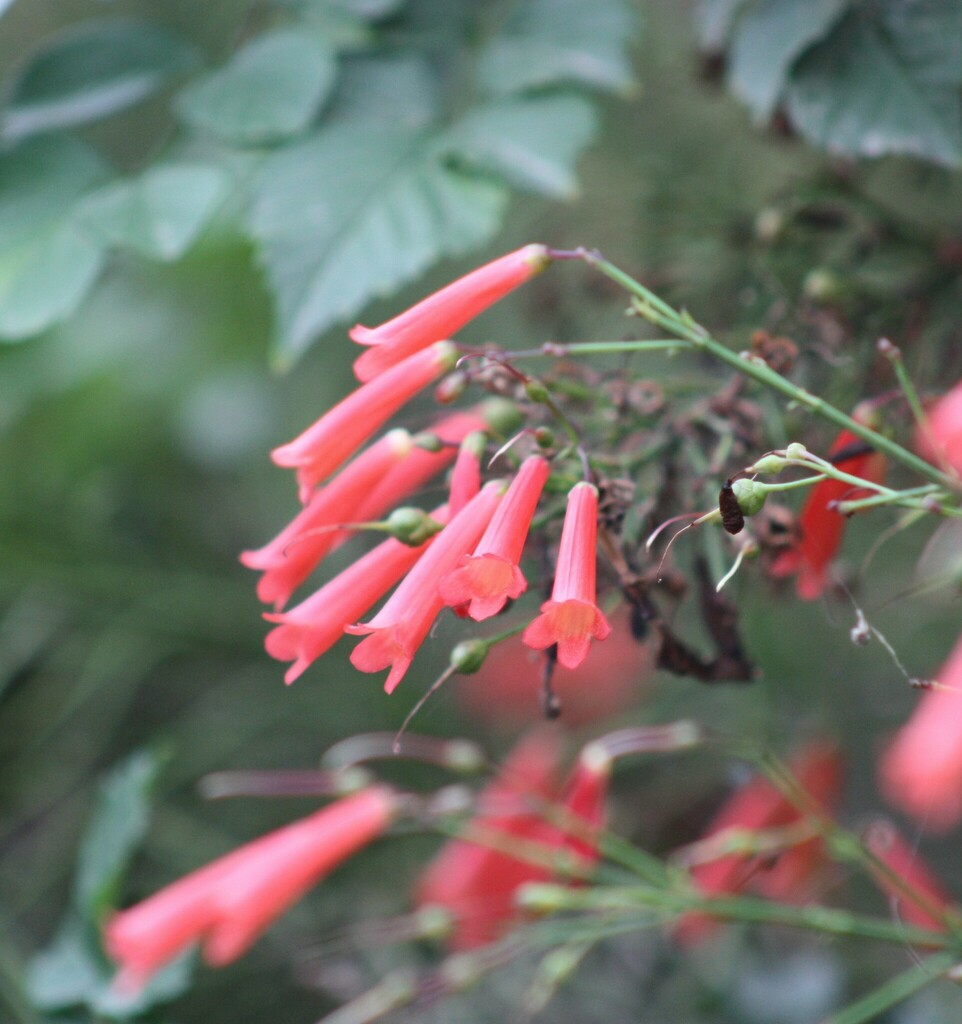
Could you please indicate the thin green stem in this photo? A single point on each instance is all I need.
(894, 991)
(763, 374)
(558, 350)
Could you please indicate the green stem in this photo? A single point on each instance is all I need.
(763, 374)
(545, 897)
(593, 348)
(926, 490)
(894, 991)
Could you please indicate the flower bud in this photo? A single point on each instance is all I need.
(451, 388)
(536, 391)
(544, 437)
(796, 451)
(412, 526)
(428, 442)
(750, 495)
(468, 656)
(768, 464)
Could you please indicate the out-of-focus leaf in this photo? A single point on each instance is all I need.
(886, 81)
(66, 973)
(92, 70)
(771, 36)
(46, 264)
(270, 90)
(532, 143)
(399, 91)
(714, 21)
(548, 42)
(115, 831)
(356, 212)
(159, 213)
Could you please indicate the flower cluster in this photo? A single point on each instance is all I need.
(466, 555)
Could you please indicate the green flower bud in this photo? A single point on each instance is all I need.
(468, 656)
(544, 437)
(452, 387)
(412, 526)
(536, 391)
(768, 464)
(750, 495)
(797, 451)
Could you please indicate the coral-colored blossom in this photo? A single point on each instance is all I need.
(941, 439)
(921, 771)
(230, 902)
(440, 315)
(486, 579)
(325, 445)
(475, 881)
(758, 804)
(884, 840)
(299, 548)
(311, 628)
(393, 636)
(820, 524)
(466, 475)
(572, 617)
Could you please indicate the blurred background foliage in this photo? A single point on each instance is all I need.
(194, 197)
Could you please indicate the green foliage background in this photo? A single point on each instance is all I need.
(157, 259)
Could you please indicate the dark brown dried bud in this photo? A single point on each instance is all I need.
(778, 352)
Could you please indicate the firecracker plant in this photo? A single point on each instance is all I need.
(573, 493)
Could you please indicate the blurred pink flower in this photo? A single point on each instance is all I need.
(230, 902)
(921, 771)
(440, 315)
(572, 617)
(941, 440)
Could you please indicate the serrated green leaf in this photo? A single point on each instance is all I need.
(116, 829)
(532, 143)
(354, 213)
(550, 42)
(270, 90)
(92, 70)
(770, 37)
(159, 213)
(886, 81)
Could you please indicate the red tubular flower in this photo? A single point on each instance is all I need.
(941, 440)
(572, 617)
(401, 625)
(759, 805)
(921, 771)
(883, 839)
(821, 525)
(477, 883)
(311, 628)
(230, 902)
(419, 467)
(486, 579)
(323, 447)
(466, 475)
(299, 548)
(440, 315)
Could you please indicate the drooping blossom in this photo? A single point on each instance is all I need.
(821, 526)
(300, 547)
(940, 440)
(485, 579)
(324, 446)
(440, 315)
(311, 628)
(921, 771)
(393, 636)
(507, 691)
(230, 902)
(790, 876)
(466, 475)
(475, 877)
(572, 618)
(882, 839)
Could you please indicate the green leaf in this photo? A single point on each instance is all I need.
(394, 90)
(354, 213)
(159, 213)
(550, 42)
(92, 70)
(531, 143)
(47, 265)
(270, 90)
(115, 831)
(770, 37)
(886, 81)
(66, 973)
(714, 23)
